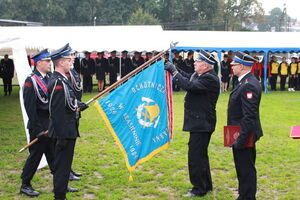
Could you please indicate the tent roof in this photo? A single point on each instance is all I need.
(91, 38)
(225, 41)
(148, 38)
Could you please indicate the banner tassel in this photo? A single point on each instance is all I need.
(130, 179)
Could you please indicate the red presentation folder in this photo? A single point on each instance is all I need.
(231, 133)
(295, 132)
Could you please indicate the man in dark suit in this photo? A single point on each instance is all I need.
(37, 108)
(8, 68)
(76, 63)
(243, 111)
(63, 127)
(126, 64)
(87, 69)
(178, 62)
(114, 67)
(137, 60)
(189, 63)
(203, 88)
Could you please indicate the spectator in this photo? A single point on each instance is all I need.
(137, 60)
(225, 71)
(101, 66)
(257, 69)
(7, 73)
(283, 72)
(87, 69)
(189, 63)
(293, 68)
(178, 62)
(149, 55)
(126, 64)
(77, 63)
(113, 65)
(274, 66)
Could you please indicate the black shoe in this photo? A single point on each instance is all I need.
(76, 173)
(29, 191)
(191, 194)
(70, 189)
(5, 94)
(60, 196)
(72, 177)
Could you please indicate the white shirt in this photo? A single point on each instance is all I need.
(241, 77)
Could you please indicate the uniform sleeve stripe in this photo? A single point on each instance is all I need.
(27, 84)
(58, 87)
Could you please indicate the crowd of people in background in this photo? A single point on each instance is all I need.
(289, 73)
(108, 68)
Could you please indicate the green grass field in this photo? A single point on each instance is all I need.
(165, 176)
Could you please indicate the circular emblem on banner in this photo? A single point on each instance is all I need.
(148, 113)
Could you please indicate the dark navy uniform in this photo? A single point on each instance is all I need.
(76, 83)
(37, 108)
(243, 111)
(189, 65)
(87, 69)
(114, 64)
(63, 127)
(178, 62)
(101, 67)
(7, 73)
(77, 65)
(126, 64)
(137, 60)
(200, 120)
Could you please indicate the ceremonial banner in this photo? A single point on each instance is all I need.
(139, 114)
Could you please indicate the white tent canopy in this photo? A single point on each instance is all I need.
(145, 38)
(221, 39)
(91, 38)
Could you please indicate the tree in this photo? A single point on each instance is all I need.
(274, 21)
(237, 12)
(140, 17)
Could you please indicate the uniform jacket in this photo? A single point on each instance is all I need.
(87, 67)
(114, 65)
(189, 65)
(36, 104)
(7, 68)
(126, 66)
(77, 65)
(136, 63)
(200, 100)
(243, 109)
(179, 63)
(62, 108)
(101, 67)
(76, 83)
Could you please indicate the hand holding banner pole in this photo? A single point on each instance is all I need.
(31, 143)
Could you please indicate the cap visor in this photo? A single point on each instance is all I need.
(235, 63)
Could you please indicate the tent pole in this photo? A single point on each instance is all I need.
(266, 58)
(120, 70)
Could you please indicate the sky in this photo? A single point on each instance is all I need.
(292, 6)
